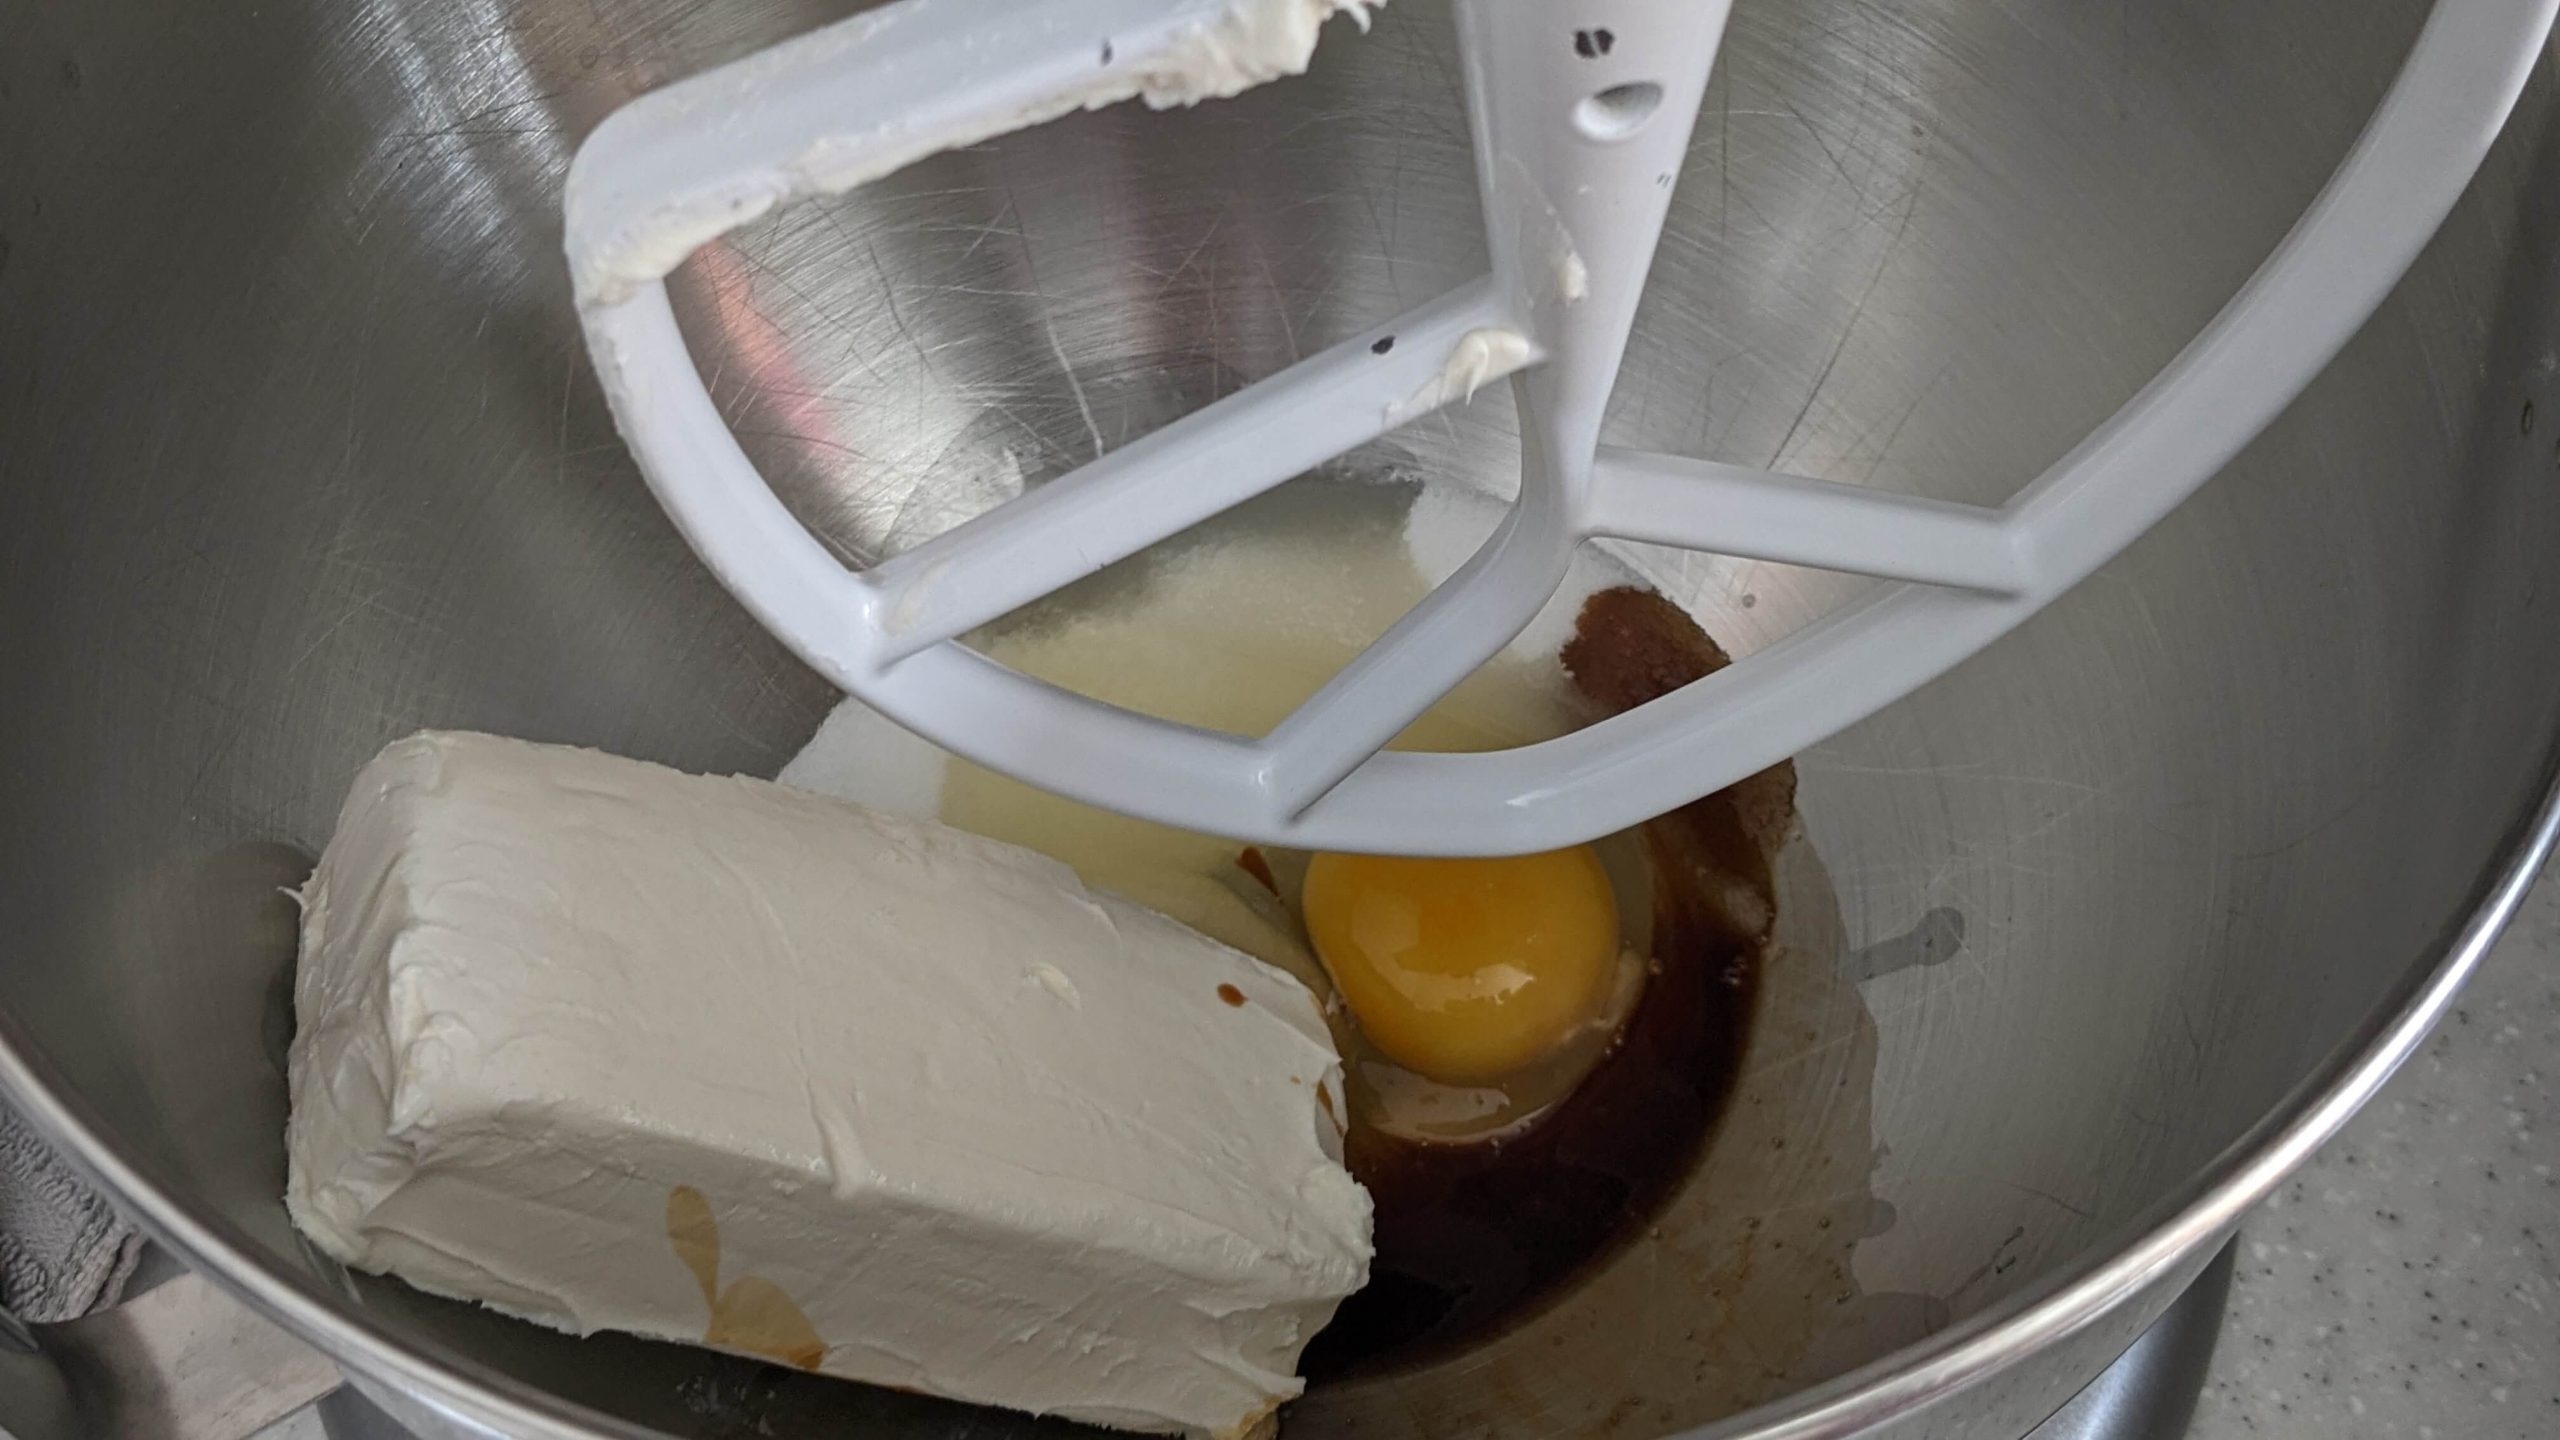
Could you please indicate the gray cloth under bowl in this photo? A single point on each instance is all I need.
(64, 1251)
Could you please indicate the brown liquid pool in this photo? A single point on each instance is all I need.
(1473, 1237)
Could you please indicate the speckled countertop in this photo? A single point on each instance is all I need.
(2407, 1282)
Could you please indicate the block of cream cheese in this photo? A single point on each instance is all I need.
(612, 1047)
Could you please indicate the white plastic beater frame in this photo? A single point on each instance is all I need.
(1575, 149)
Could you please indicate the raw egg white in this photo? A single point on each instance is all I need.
(1467, 996)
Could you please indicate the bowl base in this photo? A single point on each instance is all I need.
(2151, 1390)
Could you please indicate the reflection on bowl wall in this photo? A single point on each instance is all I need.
(299, 452)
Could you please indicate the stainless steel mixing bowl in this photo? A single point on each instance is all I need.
(2088, 942)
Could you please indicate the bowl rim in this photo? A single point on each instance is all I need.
(2074, 1296)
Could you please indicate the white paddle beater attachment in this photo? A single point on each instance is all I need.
(1575, 146)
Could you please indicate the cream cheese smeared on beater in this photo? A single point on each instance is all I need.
(1481, 356)
(1253, 43)
(618, 243)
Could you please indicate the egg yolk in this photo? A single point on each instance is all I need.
(1465, 970)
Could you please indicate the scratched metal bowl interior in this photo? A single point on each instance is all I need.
(299, 451)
